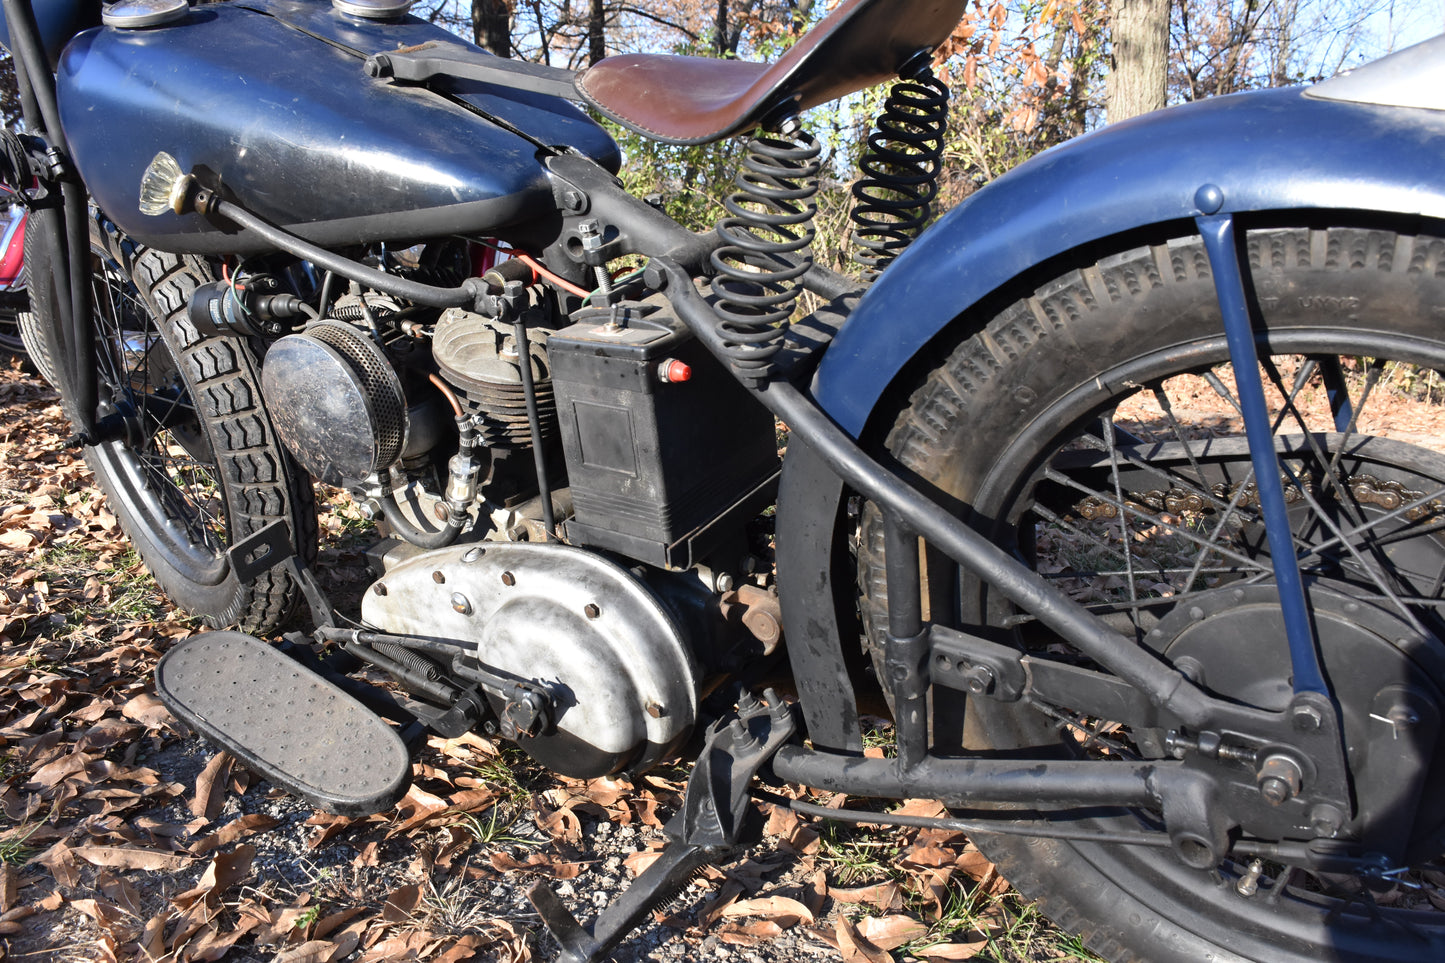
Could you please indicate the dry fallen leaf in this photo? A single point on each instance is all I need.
(750, 934)
(780, 909)
(951, 951)
(855, 947)
(891, 932)
(224, 871)
(211, 786)
(401, 903)
(118, 857)
(312, 951)
(234, 830)
(885, 896)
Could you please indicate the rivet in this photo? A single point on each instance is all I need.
(508, 578)
(461, 604)
(379, 588)
(473, 554)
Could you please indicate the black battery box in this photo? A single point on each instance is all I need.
(666, 453)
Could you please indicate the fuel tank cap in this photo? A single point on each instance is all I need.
(373, 9)
(134, 14)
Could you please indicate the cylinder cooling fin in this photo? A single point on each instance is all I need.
(480, 356)
(336, 402)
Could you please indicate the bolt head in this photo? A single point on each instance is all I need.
(1306, 718)
(979, 679)
(1274, 790)
(1280, 779)
(1325, 820)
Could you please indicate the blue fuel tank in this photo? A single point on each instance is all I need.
(269, 99)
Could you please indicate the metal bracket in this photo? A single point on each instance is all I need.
(429, 61)
(712, 822)
(262, 551)
(1220, 245)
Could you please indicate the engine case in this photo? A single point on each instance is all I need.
(612, 656)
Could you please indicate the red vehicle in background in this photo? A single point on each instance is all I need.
(17, 325)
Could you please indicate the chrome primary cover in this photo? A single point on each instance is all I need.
(621, 677)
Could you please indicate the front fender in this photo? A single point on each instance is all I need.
(1267, 151)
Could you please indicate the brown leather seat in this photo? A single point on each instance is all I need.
(694, 100)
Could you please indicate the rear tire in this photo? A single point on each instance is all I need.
(1004, 425)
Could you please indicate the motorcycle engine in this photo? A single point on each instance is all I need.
(350, 396)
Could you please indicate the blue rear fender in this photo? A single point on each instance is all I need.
(1268, 151)
(1271, 151)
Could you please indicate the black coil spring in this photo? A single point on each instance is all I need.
(770, 215)
(900, 172)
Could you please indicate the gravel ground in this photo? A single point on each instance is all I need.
(125, 838)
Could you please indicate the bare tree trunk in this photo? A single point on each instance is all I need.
(596, 33)
(492, 25)
(1140, 59)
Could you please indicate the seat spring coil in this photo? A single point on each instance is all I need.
(900, 172)
(770, 214)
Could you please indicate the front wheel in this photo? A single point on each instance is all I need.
(1092, 428)
(190, 463)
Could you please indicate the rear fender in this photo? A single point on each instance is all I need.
(1270, 151)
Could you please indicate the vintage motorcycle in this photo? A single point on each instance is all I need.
(1180, 673)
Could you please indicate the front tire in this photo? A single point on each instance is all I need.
(191, 464)
(1065, 428)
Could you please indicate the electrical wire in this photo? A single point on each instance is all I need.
(230, 280)
(547, 275)
(618, 281)
(537, 268)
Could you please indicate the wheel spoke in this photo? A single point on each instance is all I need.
(132, 356)
(1124, 534)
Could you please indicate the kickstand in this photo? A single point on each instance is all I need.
(711, 824)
